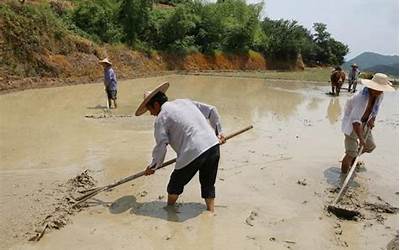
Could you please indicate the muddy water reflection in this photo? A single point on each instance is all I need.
(238, 97)
(334, 110)
(34, 135)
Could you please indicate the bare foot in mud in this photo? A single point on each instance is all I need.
(171, 209)
(209, 213)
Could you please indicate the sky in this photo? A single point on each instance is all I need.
(364, 25)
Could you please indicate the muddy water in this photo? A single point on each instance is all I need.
(45, 136)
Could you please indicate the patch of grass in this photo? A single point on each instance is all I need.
(309, 74)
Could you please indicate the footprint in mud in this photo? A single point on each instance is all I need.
(250, 219)
(335, 177)
(123, 204)
(302, 182)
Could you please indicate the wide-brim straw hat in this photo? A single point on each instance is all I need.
(148, 95)
(105, 60)
(354, 65)
(379, 82)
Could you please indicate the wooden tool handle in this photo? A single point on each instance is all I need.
(137, 175)
(352, 170)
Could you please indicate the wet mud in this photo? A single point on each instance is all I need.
(273, 184)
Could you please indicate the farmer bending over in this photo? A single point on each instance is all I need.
(185, 125)
(360, 112)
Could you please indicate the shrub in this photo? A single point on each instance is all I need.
(133, 15)
(177, 32)
(30, 32)
(97, 18)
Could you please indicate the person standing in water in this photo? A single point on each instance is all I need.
(193, 130)
(360, 113)
(110, 82)
(353, 78)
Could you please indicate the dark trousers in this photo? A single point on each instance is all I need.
(206, 164)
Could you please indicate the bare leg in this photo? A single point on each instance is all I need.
(109, 103)
(210, 204)
(172, 199)
(354, 86)
(346, 163)
(115, 103)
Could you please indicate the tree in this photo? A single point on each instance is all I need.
(178, 30)
(134, 18)
(285, 39)
(209, 29)
(339, 50)
(240, 23)
(154, 32)
(321, 39)
(329, 51)
(97, 19)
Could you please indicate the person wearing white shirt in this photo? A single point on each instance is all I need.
(360, 112)
(193, 130)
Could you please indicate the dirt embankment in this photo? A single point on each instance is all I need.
(81, 65)
(37, 50)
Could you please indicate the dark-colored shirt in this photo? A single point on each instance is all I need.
(353, 74)
(110, 79)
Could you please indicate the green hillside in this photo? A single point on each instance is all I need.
(392, 70)
(369, 59)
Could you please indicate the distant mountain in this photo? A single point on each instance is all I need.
(375, 62)
(387, 69)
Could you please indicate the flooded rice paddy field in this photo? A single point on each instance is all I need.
(273, 181)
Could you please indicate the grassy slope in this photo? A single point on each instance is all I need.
(308, 74)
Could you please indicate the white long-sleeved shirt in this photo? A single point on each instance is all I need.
(355, 108)
(185, 125)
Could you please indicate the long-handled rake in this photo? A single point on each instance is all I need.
(91, 193)
(334, 208)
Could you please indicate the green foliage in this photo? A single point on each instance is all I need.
(157, 21)
(210, 28)
(178, 30)
(328, 50)
(173, 2)
(339, 50)
(134, 17)
(30, 31)
(285, 39)
(180, 26)
(97, 18)
(240, 23)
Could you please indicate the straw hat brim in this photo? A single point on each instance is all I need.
(142, 107)
(106, 61)
(374, 85)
